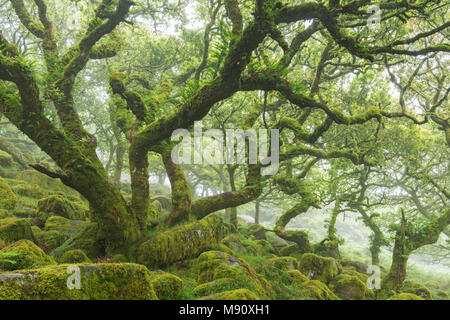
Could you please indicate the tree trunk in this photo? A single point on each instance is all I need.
(257, 209)
(397, 272)
(181, 193)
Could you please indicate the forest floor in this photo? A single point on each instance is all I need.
(42, 254)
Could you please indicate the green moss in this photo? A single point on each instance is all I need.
(214, 265)
(234, 242)
(294, 277)
(28, 190)
(5, 214)
(41, 218)
(315, 290)
(51, 239)
(300, 238)
(8, 199)
(181, 243)
(328, 248)
(261, 248)
(405, 296)
(239, 294)
(167, 286)
(74, 256)
(216, 286)
(5, 159)
(319, 268)
(257, 231)
(416, 288)
(13, 229)
(29, 255)
(60, 206)
(57, 223)
(98, 282)
(361, 276)
(85, 239)
(119, 258)
(349, 287)
(284, 263)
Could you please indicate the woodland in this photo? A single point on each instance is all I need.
(94, 206)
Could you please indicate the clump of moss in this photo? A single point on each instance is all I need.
(8, 199)
(98, 282)
(257, 231)
(5, 159)
(410, 286)
(85, 239)
(261, 248)
(349, 287)
(29, 255)
(328, 248)
(300, 238)
(284, 263)
(29, 190)
(50, 239)
(319, 268)
(315, 290)
(239, 294)
(57, 223)
(234, 242)
(60, 206)
(13, 229)
(167, 286)
(5, 214)
(74, 256)
(405, 296)
(181, 243)
(214, 265)
(213, 287)
(361, 276)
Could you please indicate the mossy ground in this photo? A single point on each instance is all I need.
(223, 266)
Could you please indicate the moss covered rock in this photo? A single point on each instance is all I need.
(181, 243)
(234, 242)
(8, 199)
(294, 277)
(315, 290)
(284, 263)
(57, 223)
(301, 238)
(5, 159)
(291, 250)
(328, 248)
(349, 287)
(97, 282)
(257, 231)
(261, 248)
(214, 265)
(29, 255)
(356, 265)
(319, 268)
(13, 229)
(410, 286)
(239, 294)
(50, 239)
(74, 256)
(216, 286)
(60, 206)
(361, 276)
(405, 296)
(167, 286)
(28, 190)
(85, 239)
